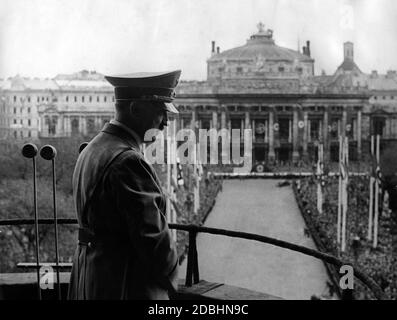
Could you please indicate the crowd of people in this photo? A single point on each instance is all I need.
(379, 262)
(209, 186)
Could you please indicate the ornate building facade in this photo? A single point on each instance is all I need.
(259, 85)
(67, 105)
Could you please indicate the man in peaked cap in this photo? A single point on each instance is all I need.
(125, 249)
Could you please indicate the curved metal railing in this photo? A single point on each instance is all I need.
(192, 270)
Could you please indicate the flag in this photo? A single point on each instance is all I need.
(349, 129)
(345, 180)
(378, 175)
(301, 125)
(276, 129)
(344, 171)
(200, 171)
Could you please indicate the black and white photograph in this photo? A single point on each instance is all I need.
(212, 151)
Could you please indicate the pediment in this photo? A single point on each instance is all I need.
(48, 109)
(378, 111)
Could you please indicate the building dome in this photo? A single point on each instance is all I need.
(261, 44)
(260, 57)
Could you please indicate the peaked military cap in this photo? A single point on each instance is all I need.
(149, 86)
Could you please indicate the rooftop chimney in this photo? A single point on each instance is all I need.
(391, 74)
(304, 50)
(213, 47)
(374, 74)
(217, 49)
(308, 48)
(348, 50)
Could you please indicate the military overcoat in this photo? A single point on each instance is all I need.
(129, 252)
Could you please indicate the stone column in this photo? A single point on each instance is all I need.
(44, 127)
(295, 146)
(253, 130)
(247, 123)
(65, 125)
(98, 123)
(387, 128)
(272, 154)
(344, 122)
(193, 119)
(359, 134)
(247, 120)
(215, 119)
(223, 119)
(83, 125)
(69, 123)
(305, 133)
(266, 131)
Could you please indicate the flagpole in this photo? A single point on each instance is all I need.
(168, 187)
(173, 173)
(376, 218)
(196, 184)
(338, 238)
(344, 194)
(371, 194)
(319, 177)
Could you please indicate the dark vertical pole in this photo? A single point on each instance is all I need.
(48, 152)
(56, 227)
(29, 151)
(36, 227)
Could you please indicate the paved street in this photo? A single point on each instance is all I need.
(259, 206)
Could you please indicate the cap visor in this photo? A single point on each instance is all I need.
(169, 106)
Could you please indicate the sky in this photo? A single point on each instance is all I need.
(42, 38)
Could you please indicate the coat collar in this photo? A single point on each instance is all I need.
(122, 134)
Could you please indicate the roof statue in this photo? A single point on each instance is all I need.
(261, 27)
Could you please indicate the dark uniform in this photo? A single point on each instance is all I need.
(125, 248)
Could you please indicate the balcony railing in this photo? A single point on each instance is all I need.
(192, 270)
